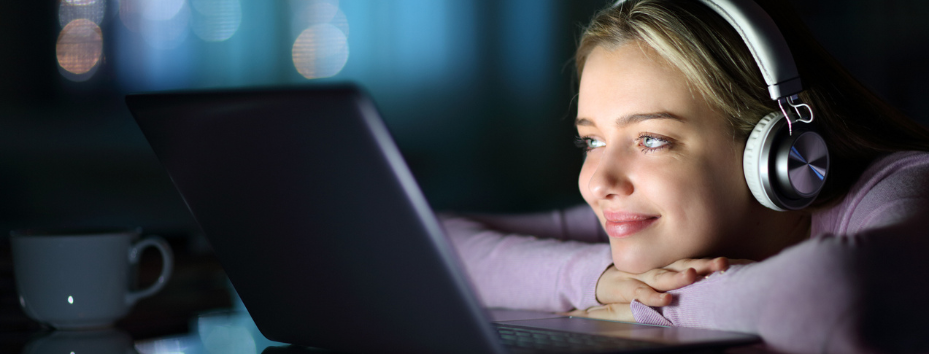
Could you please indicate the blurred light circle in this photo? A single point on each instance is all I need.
(215, 20)
(161, 10)
(320, 51)
(340, 22)
(165, 34)
(79, 46)
(319, 11)
(130, 13)
(71, 10)
(312, 12)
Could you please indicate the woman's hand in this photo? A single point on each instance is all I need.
(617, 289)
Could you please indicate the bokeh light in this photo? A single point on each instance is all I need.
(311, 12)
(161, 10)
(307, 13)
(79, 47)
(130, 13)
(215, 20)
(70, 10)
(320, 51)
(321, 48)
(340, 22)
(162, 25)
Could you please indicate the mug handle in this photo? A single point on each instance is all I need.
(167, 258)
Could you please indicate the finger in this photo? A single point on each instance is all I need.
(628, 289)
(575, 313)
(665, 279)
(613, 312)
(702, 266)
(646, 295)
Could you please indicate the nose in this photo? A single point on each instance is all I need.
(610, 177)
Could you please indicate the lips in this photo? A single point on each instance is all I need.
(623, 224)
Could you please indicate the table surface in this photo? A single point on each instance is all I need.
(196, 312)
(228, 331)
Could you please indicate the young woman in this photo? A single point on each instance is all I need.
(672, 235)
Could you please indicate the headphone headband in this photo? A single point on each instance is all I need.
(784, 171)
(764, 40)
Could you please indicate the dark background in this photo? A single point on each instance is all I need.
(478, 95)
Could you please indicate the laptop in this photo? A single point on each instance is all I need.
(328, 240)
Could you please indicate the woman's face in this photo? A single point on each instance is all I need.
(663, 171)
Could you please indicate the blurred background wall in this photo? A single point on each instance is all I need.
(478, 94)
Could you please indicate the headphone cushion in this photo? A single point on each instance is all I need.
(752, 159)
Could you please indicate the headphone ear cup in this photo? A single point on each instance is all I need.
(784, 171)
(755, 163)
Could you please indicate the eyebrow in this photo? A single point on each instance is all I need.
(631, 119)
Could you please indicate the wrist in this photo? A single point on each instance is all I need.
(600, 280)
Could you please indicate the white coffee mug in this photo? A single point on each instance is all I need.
(79, 279)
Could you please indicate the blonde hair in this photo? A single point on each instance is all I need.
(732, 84)
(857, 126)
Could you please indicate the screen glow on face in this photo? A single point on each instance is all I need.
(662, 173)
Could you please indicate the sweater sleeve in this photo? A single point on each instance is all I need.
(578, 223)
(858, 286)
(545, 261)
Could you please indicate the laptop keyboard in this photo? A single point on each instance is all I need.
(527, 340)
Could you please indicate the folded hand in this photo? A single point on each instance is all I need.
(616, 289)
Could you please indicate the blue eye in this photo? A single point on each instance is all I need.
(651, 143)
(594, 143)
(588, 143)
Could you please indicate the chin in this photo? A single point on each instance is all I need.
(633, 264)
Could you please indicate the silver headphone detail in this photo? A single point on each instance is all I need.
(783, 170)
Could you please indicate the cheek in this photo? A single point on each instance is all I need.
(698, 206)
(691, 209)
(686, 201)
(703, 205)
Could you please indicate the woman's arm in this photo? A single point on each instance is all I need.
(860, 285)
(552, 270)
(577, 223)
(833, 294)
(513, 270)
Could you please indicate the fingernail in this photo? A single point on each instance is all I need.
(722, 272)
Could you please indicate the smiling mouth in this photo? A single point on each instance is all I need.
(626, 227)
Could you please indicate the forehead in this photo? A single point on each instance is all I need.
(632, 79)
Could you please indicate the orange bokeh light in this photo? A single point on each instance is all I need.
(79, 46)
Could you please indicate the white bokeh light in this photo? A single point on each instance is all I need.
(320, 51)
(161, 10)
(130, 13)
(88, 9)
(306, 13)
(340, 21)
(164, 33)
(215, 20)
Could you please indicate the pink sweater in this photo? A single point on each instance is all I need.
(858, 285)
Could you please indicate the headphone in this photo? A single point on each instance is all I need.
(785, 168)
